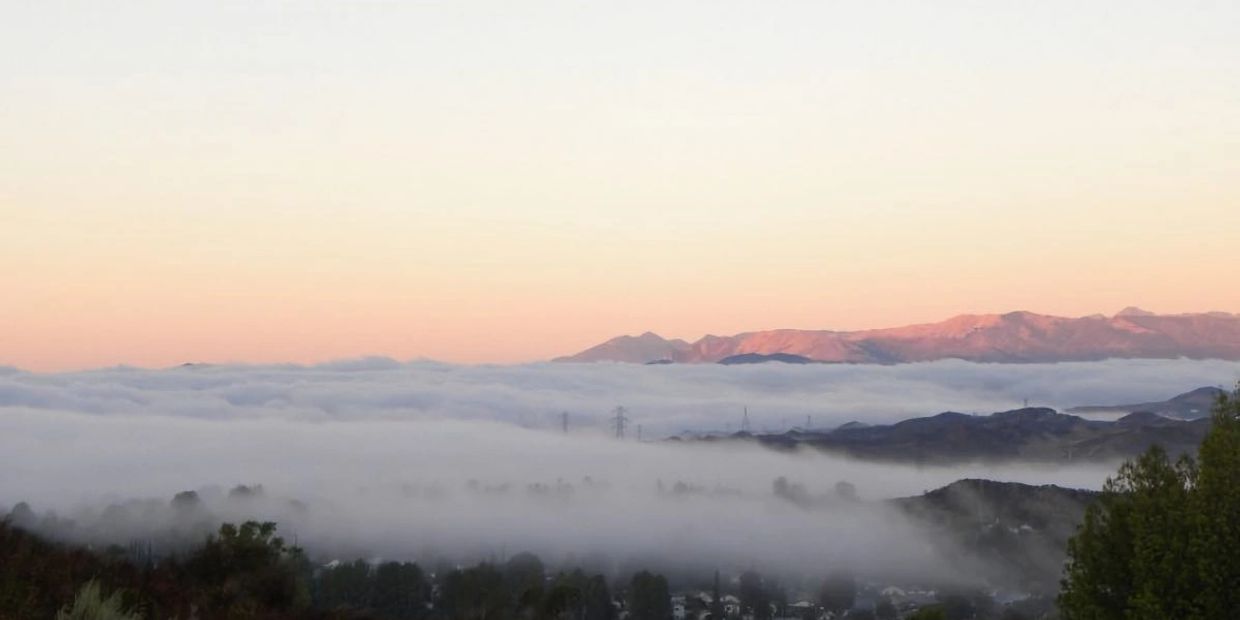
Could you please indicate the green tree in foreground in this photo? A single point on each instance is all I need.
(1215, 528)
(1163, 541)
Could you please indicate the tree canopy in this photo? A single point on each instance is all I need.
(1163, 539)
(649, 597)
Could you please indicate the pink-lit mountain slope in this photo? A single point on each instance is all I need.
(1012, 337)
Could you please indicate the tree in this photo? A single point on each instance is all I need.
(1130, 556)
(754, 595)
(596, 600)
(886, 610)
(345, 585)
(838, 592)
(649, 597)
(1013, 614)
(524, 577)
(716, 601)
(957, 606)
(573, 595)
(1160, 542)
(400, 590)
(248, 568)
(933, 612)
(90, 604)
(1216, 507)
(476, 593)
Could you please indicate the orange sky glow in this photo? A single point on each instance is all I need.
(297, 183)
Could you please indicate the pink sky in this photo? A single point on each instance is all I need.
(299, 183)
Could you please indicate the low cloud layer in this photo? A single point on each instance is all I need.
(477, 490)
(423, 459)
(663, 399)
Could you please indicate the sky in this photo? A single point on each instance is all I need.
(491, 182)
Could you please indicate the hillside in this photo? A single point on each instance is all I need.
(1031, 434)
(1018, 530)
(1011, 338)
(1187, 406)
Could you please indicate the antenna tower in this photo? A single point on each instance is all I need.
(619, 420)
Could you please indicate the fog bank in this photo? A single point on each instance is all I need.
(663, 399)
(380, 459)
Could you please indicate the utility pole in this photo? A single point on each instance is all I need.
(618, 420)
(809, 422)
(745, 421)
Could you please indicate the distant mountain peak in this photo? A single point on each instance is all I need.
(1134, 311)
(1194, 404)
(640, 349)
(1012, 337)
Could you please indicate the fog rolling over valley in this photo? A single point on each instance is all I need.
(481, 490)
(378, 459)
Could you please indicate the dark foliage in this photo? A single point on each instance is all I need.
(649, 597)
(1161, 542)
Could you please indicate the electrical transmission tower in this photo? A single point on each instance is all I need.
(619, 420)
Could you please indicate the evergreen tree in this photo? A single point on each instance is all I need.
(755, 596)
(649, 597)
(1216, 511)
(400, 590)
(838, 592)
(476, 593)
(1161, 541)
(886, 610)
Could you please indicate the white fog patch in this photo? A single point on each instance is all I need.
(463, 489)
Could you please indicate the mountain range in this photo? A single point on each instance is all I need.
(1187, 406)
(1014, 337)
(1032, 434)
